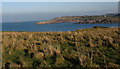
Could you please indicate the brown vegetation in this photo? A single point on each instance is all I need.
(83, 19)
(94, 47)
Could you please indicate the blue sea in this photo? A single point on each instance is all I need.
(31, 26)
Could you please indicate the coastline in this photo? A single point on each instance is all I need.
(83, 19)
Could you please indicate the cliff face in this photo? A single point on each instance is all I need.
(61, 20)
(83, 19)
(94, 47)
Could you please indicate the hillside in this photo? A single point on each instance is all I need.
(93, 47)
(83, 19)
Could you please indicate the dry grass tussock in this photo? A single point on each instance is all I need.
(93, 47)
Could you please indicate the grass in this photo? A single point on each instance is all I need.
(113, 19)
(93, 47)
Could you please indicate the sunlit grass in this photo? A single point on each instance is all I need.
(94, 47)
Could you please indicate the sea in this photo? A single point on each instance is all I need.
(31, 26)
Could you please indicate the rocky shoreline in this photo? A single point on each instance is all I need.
(83, 19)
(94, 21)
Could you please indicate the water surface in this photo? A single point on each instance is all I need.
(31, 26)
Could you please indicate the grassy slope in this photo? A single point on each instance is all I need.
(81, 18)
(95, 47)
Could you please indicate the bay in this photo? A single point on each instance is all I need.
(31, 26)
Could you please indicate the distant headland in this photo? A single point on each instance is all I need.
(108, 18)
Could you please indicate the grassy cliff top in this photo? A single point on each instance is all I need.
(93, 47)
(81, 19)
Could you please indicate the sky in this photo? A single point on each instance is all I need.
(35, 11)
(60, 0)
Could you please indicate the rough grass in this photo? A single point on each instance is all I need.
(94, 47)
